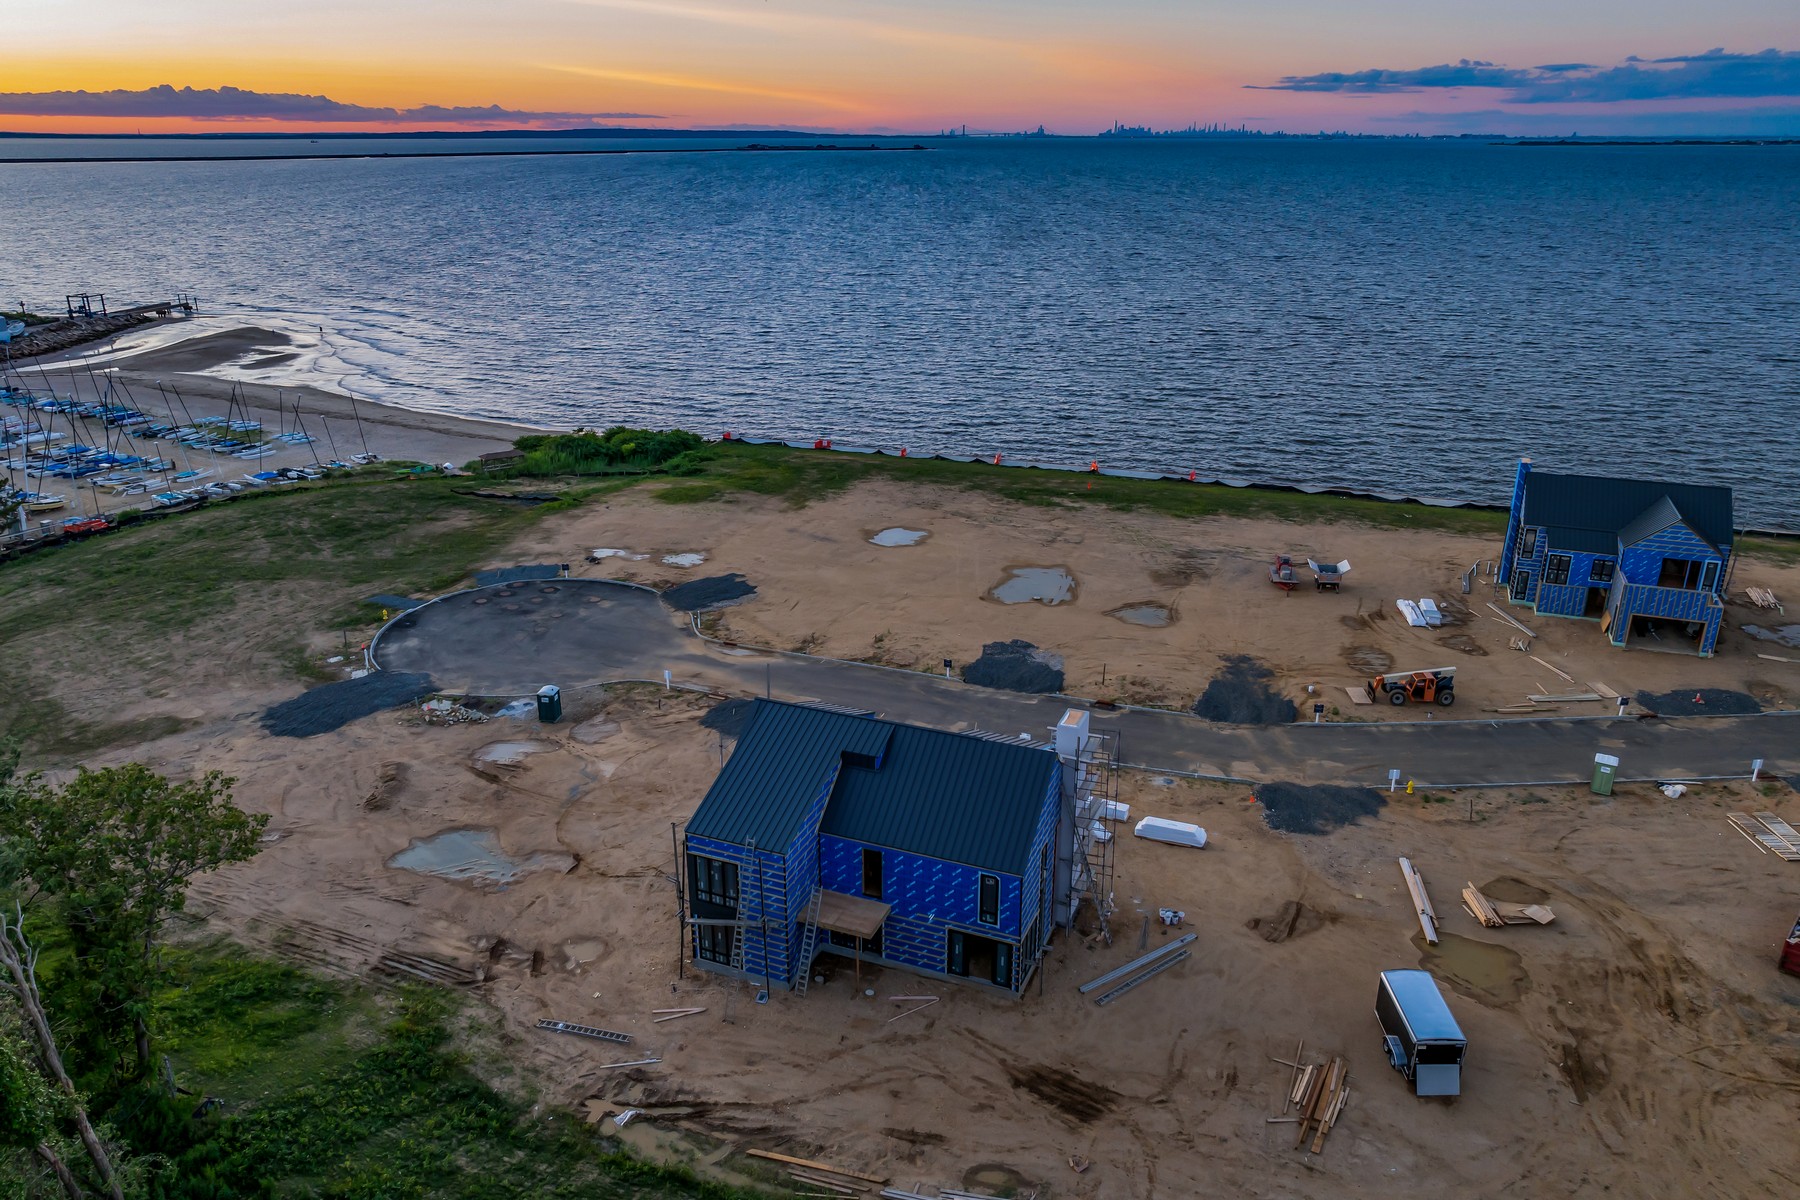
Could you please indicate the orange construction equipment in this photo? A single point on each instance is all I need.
(1435, 685)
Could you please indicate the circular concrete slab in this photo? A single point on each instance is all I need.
(513, 638)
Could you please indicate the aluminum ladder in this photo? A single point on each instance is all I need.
(809, 943)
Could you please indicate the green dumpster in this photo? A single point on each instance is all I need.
(1606, 766)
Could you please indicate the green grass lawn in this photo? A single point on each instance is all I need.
(803, 476)
(329, 1089)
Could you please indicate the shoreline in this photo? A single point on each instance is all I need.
(752, 148)
(399, 433)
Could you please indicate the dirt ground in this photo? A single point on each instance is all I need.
(1644, 1042)
(824, 588)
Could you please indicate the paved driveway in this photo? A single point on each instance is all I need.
(510, 639)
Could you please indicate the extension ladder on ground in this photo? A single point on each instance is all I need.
(809, 943)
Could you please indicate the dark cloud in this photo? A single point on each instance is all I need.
(1716, 74)
(229, 103)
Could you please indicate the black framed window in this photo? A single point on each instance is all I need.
(1556, 570)
(1527, 542)
(1602, 571)
(871, 875)
(988, 911)
(714, 942)
(715, 881)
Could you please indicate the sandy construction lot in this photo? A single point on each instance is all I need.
(1644, 1041)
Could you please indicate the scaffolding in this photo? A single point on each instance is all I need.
(1096, 801)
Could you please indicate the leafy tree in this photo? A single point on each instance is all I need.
(116, 849)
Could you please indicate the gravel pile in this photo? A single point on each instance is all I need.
(1240, 694)
(1297, 808)
(1699, 702)
(728, 717)
(514, 574)
(1016, 666)
(335, 705)
(715, 591)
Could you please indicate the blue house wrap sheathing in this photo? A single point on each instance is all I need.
(914, 847)
(1650, 561)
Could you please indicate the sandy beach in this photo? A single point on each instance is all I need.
(215, 373)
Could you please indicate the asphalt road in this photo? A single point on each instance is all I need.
(510, 639)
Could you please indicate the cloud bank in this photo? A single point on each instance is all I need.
(1716, 74)
(240, 104)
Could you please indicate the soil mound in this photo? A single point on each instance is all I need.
(1297, 808)
(335, 705)
(715, 591)
(1016, 666)
(1240, 694)
(1700, 702)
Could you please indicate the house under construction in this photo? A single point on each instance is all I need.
(950, 854)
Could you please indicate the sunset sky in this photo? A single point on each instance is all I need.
(1074, 66)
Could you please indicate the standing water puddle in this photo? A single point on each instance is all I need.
(898, 536)
(474, 855)
(1154, 615)
(1046, 585)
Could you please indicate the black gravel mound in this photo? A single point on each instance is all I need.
(1016, 666)
(1240, 694)
(1297, 808)
(1700, 702)
(334, 705)
(728, 716)
(715, 591)
(514, 574)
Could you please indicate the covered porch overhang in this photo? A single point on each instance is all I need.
(853, 916)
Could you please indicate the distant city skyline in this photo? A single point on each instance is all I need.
(1605, 67)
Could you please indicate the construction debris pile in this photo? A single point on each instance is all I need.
(1497, 913)
(449, 712)
(1319, 1092)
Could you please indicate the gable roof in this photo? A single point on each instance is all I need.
(1593, 508)
(1653, 520)
(943, 795)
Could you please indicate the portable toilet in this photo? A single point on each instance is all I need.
(1422, 1040)
(549, 702)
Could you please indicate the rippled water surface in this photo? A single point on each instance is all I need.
(1391, 316)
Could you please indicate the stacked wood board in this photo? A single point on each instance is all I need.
(1770, 833)
(1415, 884)
(1497, 913)
(1764, 598)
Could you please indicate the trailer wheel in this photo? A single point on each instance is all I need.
(1397, 697)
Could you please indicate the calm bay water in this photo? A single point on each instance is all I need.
(1405, 318)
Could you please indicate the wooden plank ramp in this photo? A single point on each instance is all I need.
(1779, 828)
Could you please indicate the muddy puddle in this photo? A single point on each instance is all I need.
(1153, 616)
(898, 536)
(1041, 585)
(1482, 971)
(474, 856)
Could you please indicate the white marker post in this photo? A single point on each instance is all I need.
(1393, 779)
(1755, 769)
(668, 681)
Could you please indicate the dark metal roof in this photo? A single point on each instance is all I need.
(1653, 520)
(943, 795)
(785, 754)
(948, 796)
(1603, 505)
(1581, 541)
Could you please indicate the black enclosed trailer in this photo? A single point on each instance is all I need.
(1422, 1040)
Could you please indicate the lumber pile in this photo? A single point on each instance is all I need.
(1570, 698)
(1497, 913)
(1320, 1091)
(1768, 833)
(1566, 677)
(1508, 619)
(1415, 883)
(1764, 598)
